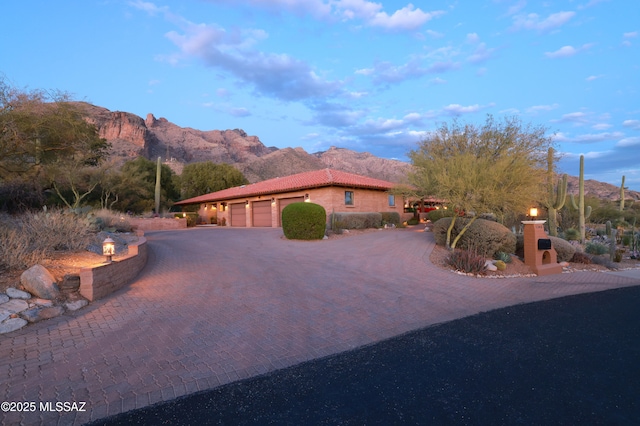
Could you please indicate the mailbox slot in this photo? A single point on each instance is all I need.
(544, 244)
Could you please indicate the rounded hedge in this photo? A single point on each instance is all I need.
(485, 236)
(563, 248)
(304, 221)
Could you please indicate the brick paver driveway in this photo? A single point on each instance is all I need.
(215, 305)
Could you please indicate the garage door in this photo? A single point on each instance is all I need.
(238, 214)
(262, 213)
(284, 202)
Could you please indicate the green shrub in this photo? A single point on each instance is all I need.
(505, 257)
(500, 265)
(486, 236)
(356, 220)
(413, 221)
(467, 261)
(391, 218)
(572, 234)
(563, 248)
(596, 248)
(304, 221)
(436, 215)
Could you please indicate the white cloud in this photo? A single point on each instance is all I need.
(537, 108)
(239, 112)
(634, 124)
(563, 52)
(593, 77)
(407, 18)
(627, 142)
(534, 22)
(457, 109)
(601, 126)
(632, 34)
(573, 117)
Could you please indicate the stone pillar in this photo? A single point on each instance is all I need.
(540, 256)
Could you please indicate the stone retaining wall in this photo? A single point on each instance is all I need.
(157, 223)
(102, 280)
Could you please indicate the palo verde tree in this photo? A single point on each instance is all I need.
(205, 177)
(497, 168)
(44, 137)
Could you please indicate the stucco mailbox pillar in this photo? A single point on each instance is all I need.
(539, 254)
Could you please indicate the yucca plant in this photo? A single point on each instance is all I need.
(505, 257)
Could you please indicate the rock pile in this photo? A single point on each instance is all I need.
(43, 299)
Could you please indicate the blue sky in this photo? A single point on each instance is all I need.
(364, 75)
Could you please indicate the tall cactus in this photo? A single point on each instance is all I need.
(556, 196)
(158, 176)
(580, 206)
(622, 195)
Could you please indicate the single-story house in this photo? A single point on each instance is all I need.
(260, 204)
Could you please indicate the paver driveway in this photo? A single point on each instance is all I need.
(215, 305)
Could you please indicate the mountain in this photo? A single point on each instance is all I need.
(131, 136)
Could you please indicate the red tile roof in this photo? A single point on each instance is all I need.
(300, 181)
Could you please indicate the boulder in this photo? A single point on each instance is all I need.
(12, 324)
(4, 315)
(41, 313)
(14, 293)
(74, 306)
(14, 306)
(3, 298)
(38, 281)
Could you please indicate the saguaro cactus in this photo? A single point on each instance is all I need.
(158, 176)
(556, 196)
(580, 206)
(622, 195)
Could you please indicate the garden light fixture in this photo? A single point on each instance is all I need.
(108, 248)
(533, 212)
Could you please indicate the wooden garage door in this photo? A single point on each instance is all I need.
(262, 213)
(284, 202)
(238, 214)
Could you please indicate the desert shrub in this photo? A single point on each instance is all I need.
(357, 220)
(571, 234)
(413, 221)
(28, 239)
(105, 219)
(564, 249)
(604, 261)
(391, 217)
(579, 257)
(500, 265)
(594, 247)
(505, 257)
(304, 221)
(486, 236)
(468, 261)
(436, 215)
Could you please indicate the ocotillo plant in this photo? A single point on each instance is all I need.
(556, 196)
(580, 206)
(158, 176)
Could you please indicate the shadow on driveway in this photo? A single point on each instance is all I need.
(573, 360)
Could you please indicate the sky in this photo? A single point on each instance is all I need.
(371, 76)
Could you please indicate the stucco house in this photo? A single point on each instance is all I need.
(260, 204)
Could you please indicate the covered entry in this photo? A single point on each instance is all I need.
(284, 202)
(238, 214)
(262, 213)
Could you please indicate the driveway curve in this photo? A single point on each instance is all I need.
(215, 305)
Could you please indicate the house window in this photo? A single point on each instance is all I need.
(348, 198)
(392, 200)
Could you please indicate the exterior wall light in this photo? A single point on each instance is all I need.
(246, 204)
(533, 212)
(306, 198)
(108, 248)
(273, 200)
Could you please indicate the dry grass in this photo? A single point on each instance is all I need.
(32, 237)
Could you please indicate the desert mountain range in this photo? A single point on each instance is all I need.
(131, 136)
